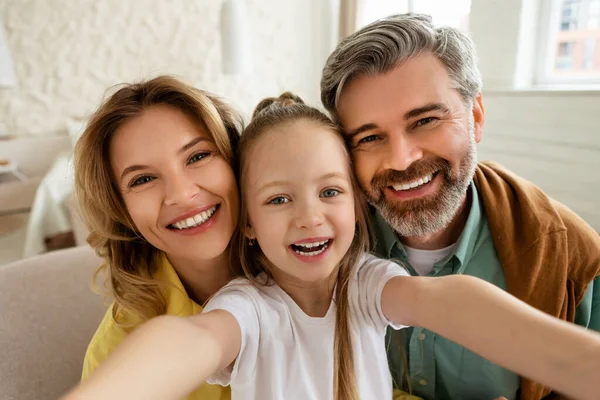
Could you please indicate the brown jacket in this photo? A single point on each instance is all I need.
(549, 255)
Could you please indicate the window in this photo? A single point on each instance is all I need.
(593, 19)
(568, 38)
(589, 53)
(443, 12)
(564, 59)
(568, 20)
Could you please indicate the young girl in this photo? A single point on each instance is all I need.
(309, 319)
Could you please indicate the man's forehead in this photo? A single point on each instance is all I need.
(413, 83)
(377, 105)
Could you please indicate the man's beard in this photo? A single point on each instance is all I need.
(425, 216)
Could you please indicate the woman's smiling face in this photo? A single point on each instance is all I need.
(180, 192)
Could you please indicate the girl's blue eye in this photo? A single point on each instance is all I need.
(197, 157)
(330, 193)
(141, 180)
(279, 200)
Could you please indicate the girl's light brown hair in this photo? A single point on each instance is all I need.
(277, 112)
(129, 259)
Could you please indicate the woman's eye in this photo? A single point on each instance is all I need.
(330, 193)
(197, 157)
(141, 180)
(425, 121)
(279, 200)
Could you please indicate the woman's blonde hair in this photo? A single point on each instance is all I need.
(275, 112)
(129, 259)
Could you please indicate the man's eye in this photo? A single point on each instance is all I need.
(368, 139)
(140, 180)
(425, 121)
(279, 200)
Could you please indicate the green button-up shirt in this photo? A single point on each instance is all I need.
(441, 369)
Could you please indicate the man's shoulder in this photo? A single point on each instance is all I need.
(568, 220)
(583, 242)
(539, 216)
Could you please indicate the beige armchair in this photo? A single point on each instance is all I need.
(48, 314)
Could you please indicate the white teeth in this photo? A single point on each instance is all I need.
(312, 253)
(310, 245)
(196, 220)
(414, 184)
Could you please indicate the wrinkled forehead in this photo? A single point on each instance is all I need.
(419, 81)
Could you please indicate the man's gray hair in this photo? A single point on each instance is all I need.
(385, 44)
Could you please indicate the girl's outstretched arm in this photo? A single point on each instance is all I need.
(501, 328)
(166, 358)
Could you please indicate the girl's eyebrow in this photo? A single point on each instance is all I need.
(270, 185)
(337, 174)
(324, 177)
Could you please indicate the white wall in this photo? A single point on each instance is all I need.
(549, 137)
(67, 52)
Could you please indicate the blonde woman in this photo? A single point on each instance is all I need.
(156, 187)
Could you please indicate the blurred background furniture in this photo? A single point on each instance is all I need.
(49, 314)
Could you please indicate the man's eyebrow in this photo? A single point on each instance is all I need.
(415, 112)
(363, 128)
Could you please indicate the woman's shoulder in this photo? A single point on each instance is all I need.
(107, 337)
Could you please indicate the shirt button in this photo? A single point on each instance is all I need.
(421, 336)
(423, 382)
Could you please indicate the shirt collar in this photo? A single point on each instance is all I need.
(389, 245)
(178, 301)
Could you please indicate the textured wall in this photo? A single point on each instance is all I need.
(549, 137)
(67, 52)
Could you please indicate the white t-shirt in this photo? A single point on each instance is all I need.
(286, 354)
(423, 260)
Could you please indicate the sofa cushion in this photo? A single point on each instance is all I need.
(48, 316)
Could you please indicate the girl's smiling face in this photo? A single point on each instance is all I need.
(300, 200)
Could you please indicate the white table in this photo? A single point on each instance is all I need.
(11, 168)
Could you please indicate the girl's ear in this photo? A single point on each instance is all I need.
(249, 232)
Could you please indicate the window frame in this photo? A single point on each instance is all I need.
(547, 50)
